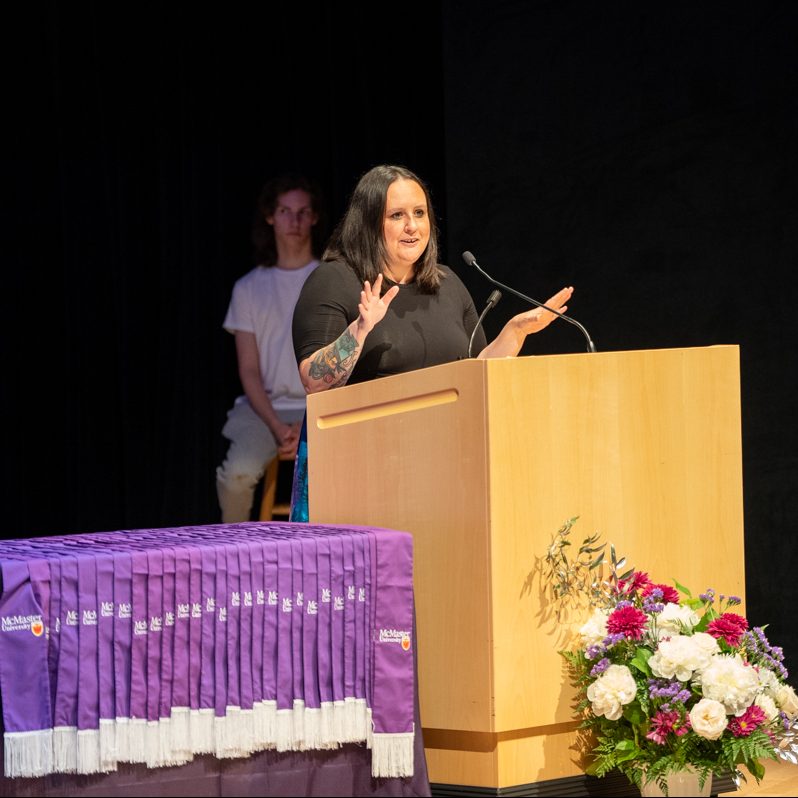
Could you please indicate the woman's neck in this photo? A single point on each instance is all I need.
(401, 275)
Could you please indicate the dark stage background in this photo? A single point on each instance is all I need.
(644, 152)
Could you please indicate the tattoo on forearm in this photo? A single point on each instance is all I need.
(335, 362)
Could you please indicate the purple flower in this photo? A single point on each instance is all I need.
(600, 667)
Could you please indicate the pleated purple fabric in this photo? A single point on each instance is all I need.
(152, 646)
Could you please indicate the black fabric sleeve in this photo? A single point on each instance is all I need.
(327, 305)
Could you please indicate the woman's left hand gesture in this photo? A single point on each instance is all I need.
(537, 319)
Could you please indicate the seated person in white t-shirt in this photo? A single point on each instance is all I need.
(287, 235)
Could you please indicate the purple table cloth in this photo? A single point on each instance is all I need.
(153, 646)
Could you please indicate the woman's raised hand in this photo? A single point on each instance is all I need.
(535, 320)
(372, 306)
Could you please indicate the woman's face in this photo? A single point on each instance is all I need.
(405, 227)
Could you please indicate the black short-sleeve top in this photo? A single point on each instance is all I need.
(419, 329)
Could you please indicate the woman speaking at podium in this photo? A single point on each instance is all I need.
(379, 303)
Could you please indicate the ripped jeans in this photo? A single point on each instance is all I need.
(252, 447)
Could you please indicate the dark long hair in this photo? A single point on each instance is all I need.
(264, 246)
(358, 239)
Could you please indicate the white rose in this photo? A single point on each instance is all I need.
(682, 656)
(675, 619)
(786, 700)
(768, 706)
(595, 630)
(729, 680)
(708, 719)
(611, 691)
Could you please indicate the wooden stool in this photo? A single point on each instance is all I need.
(270, 510)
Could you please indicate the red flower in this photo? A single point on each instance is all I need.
(628, 621)
(637, 581)
(728, 627)
(670, 595)
(748, 722)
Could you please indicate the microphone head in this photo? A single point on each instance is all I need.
(494, 298)
(469, 258)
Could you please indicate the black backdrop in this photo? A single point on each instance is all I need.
(644, 152)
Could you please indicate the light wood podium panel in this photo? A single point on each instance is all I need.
(482, 461)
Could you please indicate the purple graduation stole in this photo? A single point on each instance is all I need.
(310, 644)
(337, 637)
(324, 646)
(260, 733)
(245, 615)
(137, 732)
(181, 658)
(65, 709)
(24, 676)
(220, 654)
(362, 722)
(351, 732)
(297, 663)
(123, 646)
(235, 743)
(166, 750)
(201, 739)
(88, 691)
(285, 654)
(202, 724)
(270, 657)
(392, 709)
(105, 660)
(54, 629)
(154, 642)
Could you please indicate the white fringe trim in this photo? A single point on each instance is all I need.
(88, 751)
(181, 734)
(265, 725)
(122, 734)
(224, 734)
(166, 750)
(298, 743)
(108, 757)
(392, 755)
(152, 744)
(28, 754)
(285, 730)
(137, 740)
(65, 749)
(339, 721)
(312, 725)
(326, 731)
(201, 729)
(354, 715)
(246, 733)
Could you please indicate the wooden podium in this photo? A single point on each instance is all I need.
(482, 461)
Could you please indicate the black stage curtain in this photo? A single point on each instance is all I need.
(643, 152)
(647, 154)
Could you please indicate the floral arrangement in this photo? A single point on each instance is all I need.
(667, 681)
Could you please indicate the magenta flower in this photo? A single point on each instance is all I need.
(665, 723)
(729, 627)
(628, 621)
(748, 722)
(670, 595)
(637, 581)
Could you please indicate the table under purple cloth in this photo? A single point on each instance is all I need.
(245, 659)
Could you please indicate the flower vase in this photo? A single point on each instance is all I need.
(683, 783)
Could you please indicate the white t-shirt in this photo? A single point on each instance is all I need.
(263, 303)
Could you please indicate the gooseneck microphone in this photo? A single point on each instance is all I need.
(493, 300)
(472, 261)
